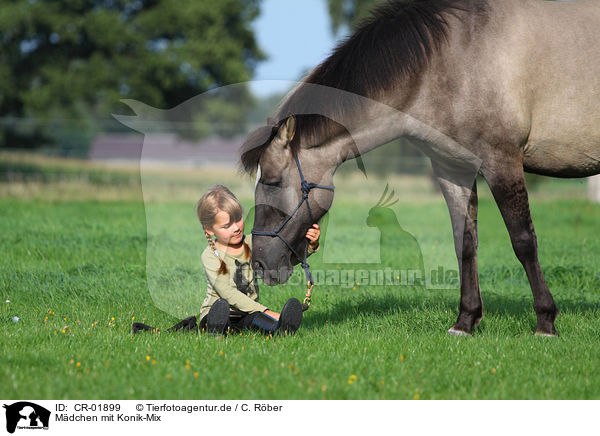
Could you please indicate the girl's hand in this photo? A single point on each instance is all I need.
(272, 314)
(313, 236)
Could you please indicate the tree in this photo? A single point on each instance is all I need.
(75, 58)
(347, 14)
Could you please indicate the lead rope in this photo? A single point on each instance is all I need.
(305, 187)
(309, 282)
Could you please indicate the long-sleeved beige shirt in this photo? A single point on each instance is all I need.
(224, 286)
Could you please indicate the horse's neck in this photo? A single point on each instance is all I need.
(370, 123)
(379, 124)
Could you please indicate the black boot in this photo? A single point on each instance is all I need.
(217, 319)
(291, 316)
(138, 327)
(187, 324)
(263, 322)
(289, 319)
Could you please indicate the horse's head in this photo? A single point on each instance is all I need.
(279, 193)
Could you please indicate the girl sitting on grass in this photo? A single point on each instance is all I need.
(232, 293)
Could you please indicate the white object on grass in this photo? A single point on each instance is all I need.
(594, 188)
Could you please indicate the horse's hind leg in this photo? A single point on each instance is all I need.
(507, 183)
(460, 191)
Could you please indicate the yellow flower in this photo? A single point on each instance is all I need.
(351, 379)
(188, 367)
(71, 361)
(220, 352)
(78, 364)
(153, 362)
(195, 375)
(416, 396)
(63, 330)
(147, 357)
(493, 370)
(132, 318)
(401, 358)
(169, 376)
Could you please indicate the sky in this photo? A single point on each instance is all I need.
(296, 36)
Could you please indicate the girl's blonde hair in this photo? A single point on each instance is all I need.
(219, 198)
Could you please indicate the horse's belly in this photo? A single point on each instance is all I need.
(563, 90)
(562, 159)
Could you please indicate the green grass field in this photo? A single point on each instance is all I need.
(74, 271)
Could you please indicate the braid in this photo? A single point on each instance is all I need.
(213, 247)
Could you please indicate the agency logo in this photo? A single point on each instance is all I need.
(26, 415)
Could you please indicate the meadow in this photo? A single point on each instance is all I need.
(74, 270)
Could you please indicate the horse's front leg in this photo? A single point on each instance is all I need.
(460, 192)
(507, 182)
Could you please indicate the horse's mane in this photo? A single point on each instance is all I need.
(395, 43)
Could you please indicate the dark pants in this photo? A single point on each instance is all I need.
(237, 321)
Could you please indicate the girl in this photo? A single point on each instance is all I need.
(232, 292)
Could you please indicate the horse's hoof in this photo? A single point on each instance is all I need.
(546, 334)
(455, 332)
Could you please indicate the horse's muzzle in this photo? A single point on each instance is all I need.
(273, 276)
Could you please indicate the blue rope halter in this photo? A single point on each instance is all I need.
(306, 187)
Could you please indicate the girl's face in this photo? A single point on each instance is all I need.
(227, 232)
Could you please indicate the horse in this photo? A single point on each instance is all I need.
(482, 87)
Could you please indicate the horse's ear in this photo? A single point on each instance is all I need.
(286, 131)
(290, 125)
